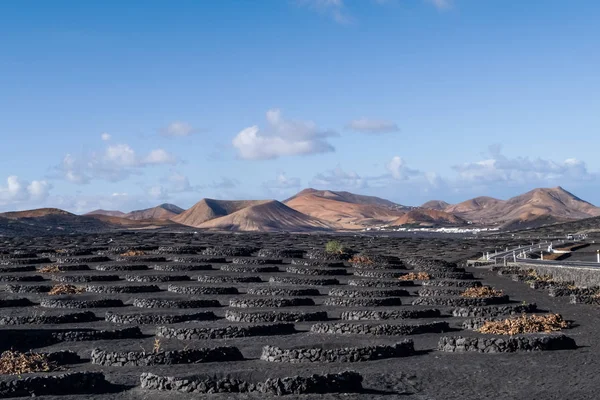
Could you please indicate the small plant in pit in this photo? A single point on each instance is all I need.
(16, 363)
(415, 276)
(133, 253)
(525, 324)
(334, 247)
(49, 269)
(156, 346)
(483, 291)
(534, 276)
(361, 259)
(66, 289)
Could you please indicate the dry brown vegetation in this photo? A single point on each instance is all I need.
(415, 276)
(49, 269)
(552, 256)
(483, 291)
(361, 259)
(525, 324)
(133, 253)
(534, 276)
(66, 289)
(16, 363)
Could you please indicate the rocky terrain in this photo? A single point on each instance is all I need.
(177, 315)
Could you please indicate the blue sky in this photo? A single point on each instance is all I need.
(128, 104)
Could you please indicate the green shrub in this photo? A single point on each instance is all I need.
(334, 247)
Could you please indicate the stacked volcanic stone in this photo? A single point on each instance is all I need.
(325, 256)
(68, 303)
(270, 302)
(316, 263)
(494, 311)
(122, 289)
(188, 356)
(459, 301)
(362, 301)
(557, 291)
(304, 281)
(275, 291)
(280, 253)
(379, 329)
(84, 278)
(578, 299)
(376, 283)
(376, 261)
(249, 268)
(316, 271)
(452, 283)
(12, 278)
(226, 332)
(358, 315)
(229, 251)
(92, 335)
(71, 318)
(354, 293)
(156, 278)
(511, 344)
(254, 261)
(345, 354)
(275, 316)
(158, 318)
(165, 303)
(345, 382)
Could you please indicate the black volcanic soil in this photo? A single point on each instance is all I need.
(427, 375)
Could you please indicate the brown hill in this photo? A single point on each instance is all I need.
(346, 210)
(474, 209)
(37, 213)
(439, 205)
(544, 205)
(348, 198)
(132, 223)
(161, 212)
(429, 217)
(208, 209)
(266, 216)
(110, 213)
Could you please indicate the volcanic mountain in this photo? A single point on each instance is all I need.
(346, 210)
(209, 209)
(260, 216)
(48, 221)
(109, 213)
(428, 217)
(162, 212)
(534, 208)
(436, 205)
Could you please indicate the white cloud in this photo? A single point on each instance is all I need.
(498, 169)
(106, 137)
(366, 125)
(399, 170)
(282, 138)
(18, 192)
(159, 156)
(338, 178)
(179, 183)
(178, 129)
(115, 163)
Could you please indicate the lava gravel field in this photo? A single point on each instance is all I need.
(142, 315)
